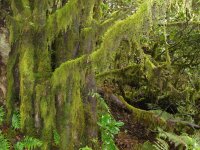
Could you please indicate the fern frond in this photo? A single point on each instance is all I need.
(28, 143)
(180, 140)
(173, 138)
(161, 144)
(2, 114)
(16, 120)
(4, 144)
(56, 137)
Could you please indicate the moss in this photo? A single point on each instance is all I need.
(11, 94)
(57, 22)
(147, 118)
(97, 10)
(129, 28)
(87, 42)
(68, 81)
(149, 67)
(70, 104)
(87, 16)
(46, 112)
(26, 66)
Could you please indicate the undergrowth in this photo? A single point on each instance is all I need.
(27, 143)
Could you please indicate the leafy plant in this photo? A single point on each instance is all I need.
(4, 144)
(2, 114)
(179, 141)
(28, 143)
(56, 137)
(108, 125)
(16, 120)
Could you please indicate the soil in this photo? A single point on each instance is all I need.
(132, 134)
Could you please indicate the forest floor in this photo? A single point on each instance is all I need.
(132, 134)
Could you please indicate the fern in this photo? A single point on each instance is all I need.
(16, 120)
(56, 137)
(161, 144)
(28, 143)
(4, 144)
(178, 140)
(2, 114)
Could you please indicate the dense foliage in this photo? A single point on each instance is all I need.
(75, 65)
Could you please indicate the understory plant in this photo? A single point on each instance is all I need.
(16, 120)
(85, 148)
(28, 143)
(167, 140)
(4, 143)
(2, 114)
(56, 137)
(109, 127)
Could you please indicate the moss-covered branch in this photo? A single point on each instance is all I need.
(61, 19)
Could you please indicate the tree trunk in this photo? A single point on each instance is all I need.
(54, 56)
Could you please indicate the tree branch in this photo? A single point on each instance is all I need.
(61, 19)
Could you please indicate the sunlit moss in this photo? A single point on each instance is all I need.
(62, 19)
(26, 66)
(59, 99)
(71, 123)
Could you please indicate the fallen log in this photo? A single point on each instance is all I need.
(148, 118)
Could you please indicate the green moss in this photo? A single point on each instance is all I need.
(26, 66)
(129, 28)
(68, 80)
(61, 19)
(147, 118)
(46, 112)
(67, 86)
(11, 94)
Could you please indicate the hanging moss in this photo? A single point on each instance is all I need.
(11, 93)
(61, 19)
(60, 101)
(128, 28)
(45, 113)
(26, 66)
(67, 86)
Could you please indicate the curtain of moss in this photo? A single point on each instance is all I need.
(59, 99)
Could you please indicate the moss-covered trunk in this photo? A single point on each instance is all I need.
(55, 51)
(51, 99)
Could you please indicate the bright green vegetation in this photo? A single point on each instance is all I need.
(4, 144)
(28, 143)
(180, 142)
(109, 127)
(144, 52)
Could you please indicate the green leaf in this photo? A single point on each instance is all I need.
(28, 143)
(16, 120)
(2, 114)
(4, 144)
(56, 137)
(85, 148)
